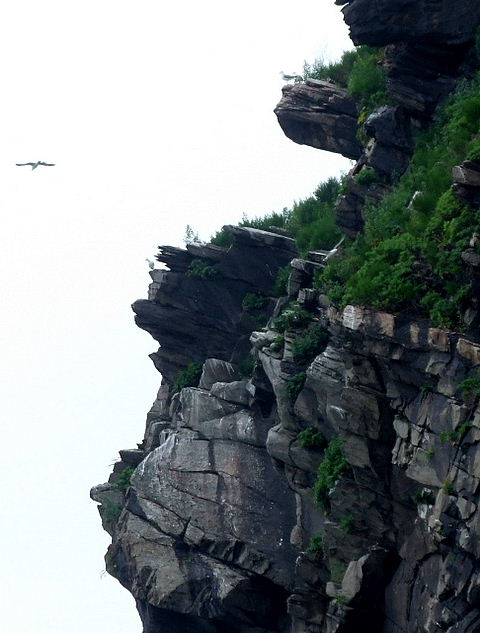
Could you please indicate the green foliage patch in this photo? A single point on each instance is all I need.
(292, 318)
(111, 512)
(123, 481)
(199, 268)
(310, 221)
(423, 496)
(470, 387)
(253, 302)
(409, 258)
(311, 438)
(333, 466)
(295, 384)
(246, 366)
(314, 341)
(187, 377)
(316, 543)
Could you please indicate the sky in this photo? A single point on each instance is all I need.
(156, 115)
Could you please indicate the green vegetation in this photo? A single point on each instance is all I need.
(253, 302)
(199, 268)
(360, 71)
(191, 236)
(347, 524)
(333, 466)
(367, 176)
(423, 496)
(310, 221)
(470, 387)
(188, 377)
(409, 259)
(456, 435)
(314, 341)
(316, 543)
(430, 452)
(111, 512)
(246, 366)
(448, 487)
(123, 481)
(292, 318)
(280, 286)
(278, 343)
(295, 384)
(311, 438)
(337, 570)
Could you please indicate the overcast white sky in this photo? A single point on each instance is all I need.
(157, 115)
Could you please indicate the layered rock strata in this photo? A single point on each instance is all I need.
(217, 518)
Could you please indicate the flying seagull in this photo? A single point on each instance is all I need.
(35, 165)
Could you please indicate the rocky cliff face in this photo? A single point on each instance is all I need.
(212, 515)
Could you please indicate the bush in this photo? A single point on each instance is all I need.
(347, 524)
(333, 466)
(313, 343)
(470, 387)
(188, 377)
(367, 79)
(292, 318)
(280, 286)
(246, 366)
(367, 176)
(316, 543)
(253, 302)
(448, 487)
(424, 496)
(295, 384)
(199, 268)
(111, 512)
(311, 438)
(222, 238)
(410, 259)
(278, 343)
(123, 481)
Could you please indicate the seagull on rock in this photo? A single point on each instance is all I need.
(35, 165)
(287, 77)
(151, 264)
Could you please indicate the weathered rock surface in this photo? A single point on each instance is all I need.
(212, 515)
(320, 114)
(198, 313)
(434, 21)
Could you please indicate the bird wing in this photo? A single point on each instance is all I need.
(24, 164)
(40, 162)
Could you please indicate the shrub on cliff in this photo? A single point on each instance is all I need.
(312, 343)
(199, 268)
(187, 377)
(409, 257)
(333, 466)
(311, 222)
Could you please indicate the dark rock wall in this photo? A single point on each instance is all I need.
(211, 532)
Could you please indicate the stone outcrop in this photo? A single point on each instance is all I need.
(320, 114)
(329, 484)
(195, 308)
(432, 21)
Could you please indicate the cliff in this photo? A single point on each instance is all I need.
(308, 467)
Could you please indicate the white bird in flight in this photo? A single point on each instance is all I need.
(35, 165)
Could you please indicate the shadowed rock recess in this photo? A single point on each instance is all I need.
(212, 516)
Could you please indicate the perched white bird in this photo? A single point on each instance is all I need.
(334, 250)
(35, 165)
(151, 264)
(287, 77)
